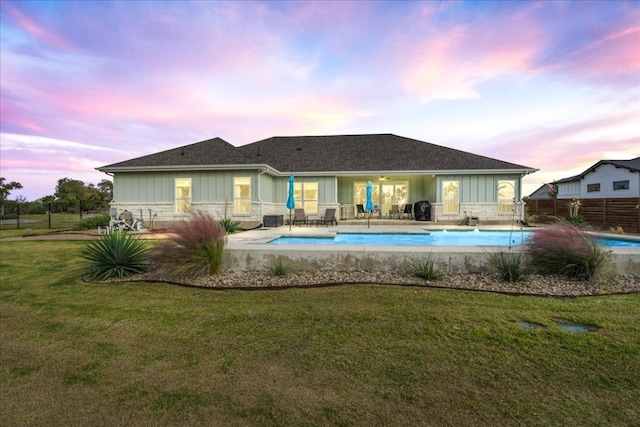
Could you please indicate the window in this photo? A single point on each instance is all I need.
(593, 188)
(242, 195)
(383, 195)
(450, 197)
(506, 196)
(306, 196)
(183, 195)
(621, 185)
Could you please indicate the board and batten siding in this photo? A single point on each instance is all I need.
(326, 188)
(159, 187)
(479, 188)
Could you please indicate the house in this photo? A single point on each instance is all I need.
(246, 183)
(608, 194)
(605, 179)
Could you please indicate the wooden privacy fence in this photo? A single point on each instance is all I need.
(602, 213)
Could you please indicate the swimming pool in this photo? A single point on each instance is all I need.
(433, 238)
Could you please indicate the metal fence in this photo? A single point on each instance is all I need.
(36, 216)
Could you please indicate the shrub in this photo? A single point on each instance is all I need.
(512, 266)
(565, 249)
(93, 222)
(576, 220)
(115, 255)
(529, 219)
(230, 226)
(616, 230)
(424, 268)
(195, 248)
(279, 267)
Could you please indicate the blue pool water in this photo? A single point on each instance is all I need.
(433, 238)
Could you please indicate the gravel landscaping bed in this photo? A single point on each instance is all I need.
(534, 285)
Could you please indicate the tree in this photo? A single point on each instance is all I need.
(105, 188)
(5, 189)
(69, 192)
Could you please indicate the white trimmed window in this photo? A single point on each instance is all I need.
(506, 196)
(242, 195)
(183, 195)
(306, 196)
(450, 197)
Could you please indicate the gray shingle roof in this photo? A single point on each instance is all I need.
(632, 165)
(379, 152)
(336, 153)
(214, 151)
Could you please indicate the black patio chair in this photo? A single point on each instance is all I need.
(359, 211)
(407, 211)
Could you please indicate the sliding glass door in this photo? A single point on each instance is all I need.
(384, 194)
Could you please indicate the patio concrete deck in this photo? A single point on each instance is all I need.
(250, 250)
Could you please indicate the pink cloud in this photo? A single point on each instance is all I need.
(565, 150)
(453, 61)
(38, 31)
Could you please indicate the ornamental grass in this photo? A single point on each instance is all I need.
(512, 266)
(564, 249)
(195, 248)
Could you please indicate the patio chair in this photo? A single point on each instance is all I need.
(329, 217)
(395, 210)
(300, 217)
(407, 211)
(360, 211)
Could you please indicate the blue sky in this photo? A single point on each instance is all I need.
(550, 85)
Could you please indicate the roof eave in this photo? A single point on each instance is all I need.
(186, 168)
(525, 171)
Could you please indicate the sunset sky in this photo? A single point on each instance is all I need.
(550, 85)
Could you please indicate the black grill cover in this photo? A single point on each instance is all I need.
(422, 211)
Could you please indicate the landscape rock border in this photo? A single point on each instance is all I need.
(552, 286)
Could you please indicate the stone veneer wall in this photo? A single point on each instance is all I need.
(159, 215)
(483, 211)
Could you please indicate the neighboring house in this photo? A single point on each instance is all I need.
(604, 180)
(542, 193)
(248, 182)
(608, 192)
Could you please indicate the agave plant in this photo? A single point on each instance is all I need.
(280, 268)
(115, 255)
(512, 266)
(230, 226)
(424, 268)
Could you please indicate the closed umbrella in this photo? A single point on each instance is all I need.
(291, 202)
(369, 206)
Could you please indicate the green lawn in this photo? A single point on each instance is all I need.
(149, 354)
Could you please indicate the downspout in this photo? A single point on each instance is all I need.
(521, 198)
(337, 202)
(264, 170)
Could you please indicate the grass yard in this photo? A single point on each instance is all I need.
(74, 354)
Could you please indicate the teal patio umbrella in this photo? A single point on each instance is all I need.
(291, 202)
(369, 206)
